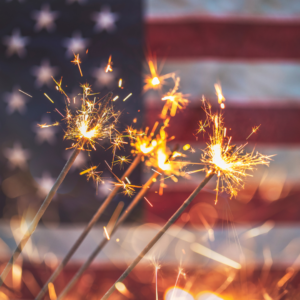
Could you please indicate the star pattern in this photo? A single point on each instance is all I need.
(15, 44)
(15, 102)
(44, 184)
(17, 156)
(43, 73)
(45, 18)
(75, 44)
(45, 134)
(104, 79)
(105, 20)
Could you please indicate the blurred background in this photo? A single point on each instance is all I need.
(252, 48)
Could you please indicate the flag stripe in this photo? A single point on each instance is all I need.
(224, 39)
(250, 83)
(279, 9)
(278, 125)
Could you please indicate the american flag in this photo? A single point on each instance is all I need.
(251, 48)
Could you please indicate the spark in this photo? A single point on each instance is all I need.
(109, 65)
(25, 93)
(254, 130)
(88, 170)
(120, 83)
(106, 233)
(219, 94)
(94, 175)
(127, 180)
(116, 98)
(122, 160)
(128, 189)
(264, 228)
(48, 125)
(52, 293)
(127, 97)
(77, 62)
(59, 88)
(59, 112)
(48, 97)
(186, 147)
(202, 250)
(174, 100)
(148, 202)
(229, 162)
(154, 80)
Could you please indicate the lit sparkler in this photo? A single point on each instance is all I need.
(173, 100)
(122, 160)
(229, 162)
(95, 121)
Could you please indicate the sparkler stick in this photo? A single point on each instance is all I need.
(123, 217)
(171, 221)
(39, 214)
(87, 229)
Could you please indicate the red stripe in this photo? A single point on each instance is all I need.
(256, 211)
(278, 125)
(224, 39)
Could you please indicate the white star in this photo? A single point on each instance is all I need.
(15, 102)
(104, 79)
(43, 73)
(76, 44)
(17, 156)
(79, 1)
(15, 43)
(105, 20)
(45, 18)
(45, 183)
(45, 134)
(80, 160)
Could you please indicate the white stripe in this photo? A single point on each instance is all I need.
(250, 83)
(169, 248)
(278, 9)
(272, 182)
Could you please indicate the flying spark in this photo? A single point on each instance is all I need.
(174, 100)
(48, 97)
(109, 65)
(25, 93)
(77, 62)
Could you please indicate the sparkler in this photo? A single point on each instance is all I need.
(173, 100)
(171, 221)
(95, 121)
(229, 162)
